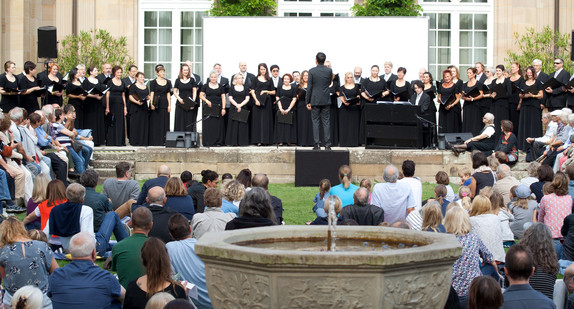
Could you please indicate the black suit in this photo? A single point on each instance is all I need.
(319, 96)
(389, 81)
(543, 77)
(427, 110)
(558, 96)
(482, 78)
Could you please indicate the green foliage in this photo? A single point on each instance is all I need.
(243, 8)
(93, 48)
(541, 45)
(387, 8)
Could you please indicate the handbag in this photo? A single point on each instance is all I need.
(77, 146)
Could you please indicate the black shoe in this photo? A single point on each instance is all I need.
(316, 147)
(455, 151)
(15, 209)
(327, 148)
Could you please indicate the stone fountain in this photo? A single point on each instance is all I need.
(242, 274)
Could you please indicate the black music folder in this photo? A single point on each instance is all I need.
(375, 95)
(241, 116)
(188, 103)
(500, 90)
(213, 111)
(552, 83)
(286, 119)
(55, 86)
(353, 100)
(448, 100)
(474, 92)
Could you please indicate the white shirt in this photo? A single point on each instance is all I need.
(417, 187)
(478, 76)
(489, 131)
(387, 76)
(86, 225)
(275, 81)
(418, 98)
(557, 72)
(394, 199)
(550, 132)
(358, 80)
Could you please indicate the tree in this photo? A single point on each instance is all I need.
(387, 8)
(93, 48)
(545, 45)
(243, 8)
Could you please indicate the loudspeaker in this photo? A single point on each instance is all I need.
(311, 166)
(180, 139)
(456, 138)
(47, 42)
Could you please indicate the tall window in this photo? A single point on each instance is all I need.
(314, 7)
(191, 39)
(439, 42)
(157, 41)
(473, 39)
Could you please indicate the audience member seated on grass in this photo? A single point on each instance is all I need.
(337, 206)
(486, 225)
(244, 177)
(183, 259)
(98, 202)
(158, 277)
(467, 267)
(440, 193)
(155, 203)
(408, 168)
(126, 254)
(484, 142)
(442, 178)
(569, 281)
(346, 188)
(163, 174)
(482, 175)
(23, 261)
(82, 283)
(72, 217)
(554, 207)
(363, 212)
(504, 217)
(122, 189)
(38, 196)
(539, 240)
(396, 199)
(432, 218)
(519, 268)
(187, 179)
(484, 292)
(545, 175)
(178, 199)
(213, 219)
(261, 181)
(254, 211)
(320, 197)
(159, 300)
(532, 174)
(523, 210)
(55, 195)
(209, 179)
(233, 191)
(28, 297)
(570, 173)
(505, 182)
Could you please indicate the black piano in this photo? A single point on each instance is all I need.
(392, 125)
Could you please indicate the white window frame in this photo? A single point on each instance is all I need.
(315, 7)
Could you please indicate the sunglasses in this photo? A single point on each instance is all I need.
(557, 62)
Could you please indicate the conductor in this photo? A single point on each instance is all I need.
(319, 99)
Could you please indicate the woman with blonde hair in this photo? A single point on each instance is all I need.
(177, 198)
(432, 218)
(27, 297)
(464, 200)
(233, 191)
(17, 255)
(486, 225)
(467, 267)
(350, 112)
(337, 204)
(505, 217)
(38, 195)
(159, 300)
(345, 189)
(55, 195)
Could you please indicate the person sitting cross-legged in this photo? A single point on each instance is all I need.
(363, 212)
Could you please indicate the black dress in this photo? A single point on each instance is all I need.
(500, 106)
(530, 123)
(49, 98)
(28, 101)
(78, 104)
(262, 116)
(185, 118)
(237, 132)
(286, 133)
(159, 118)
(136, 298)
(513, 100)
(404, 93)
(139, 122)
(486, 103)
(94, 113)
(304, 123)
(8, 101)
(116, 130)
(372, 88)
(471, 117)
(349, 118)
(213, 127)
(449, 120)
(333, 113)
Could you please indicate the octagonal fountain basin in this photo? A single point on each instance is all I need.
(285, 267)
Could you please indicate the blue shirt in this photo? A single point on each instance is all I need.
(44, 139)
(81, 284)
(190, 268)
(229, 207)
(346, 196)
(524, 296)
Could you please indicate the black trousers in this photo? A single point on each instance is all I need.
(320, 117)
(59, 168)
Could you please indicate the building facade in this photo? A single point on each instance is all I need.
(461, 32)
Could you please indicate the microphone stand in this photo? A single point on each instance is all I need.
(433, 130)
(193, 124)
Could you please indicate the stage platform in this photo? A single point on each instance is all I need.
(277, 162)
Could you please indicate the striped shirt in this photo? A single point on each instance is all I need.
(543, 282)
(57, 134)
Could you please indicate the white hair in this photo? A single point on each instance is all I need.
(82, 244)
(489, 117)
(29, 297)
(75, 193)
(16, 113)
(159, 300)
(571, 119)
(391, 173)
(48, 110)
(537, 61)
(503, 171)
(80, 66)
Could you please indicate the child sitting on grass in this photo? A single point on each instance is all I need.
(319, 200)
(367, 184)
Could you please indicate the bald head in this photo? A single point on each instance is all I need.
(503, 171)
(243, 66)
(163, 170)
(156, 195)
(391, 173)
(261, 181)
(361, 197)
